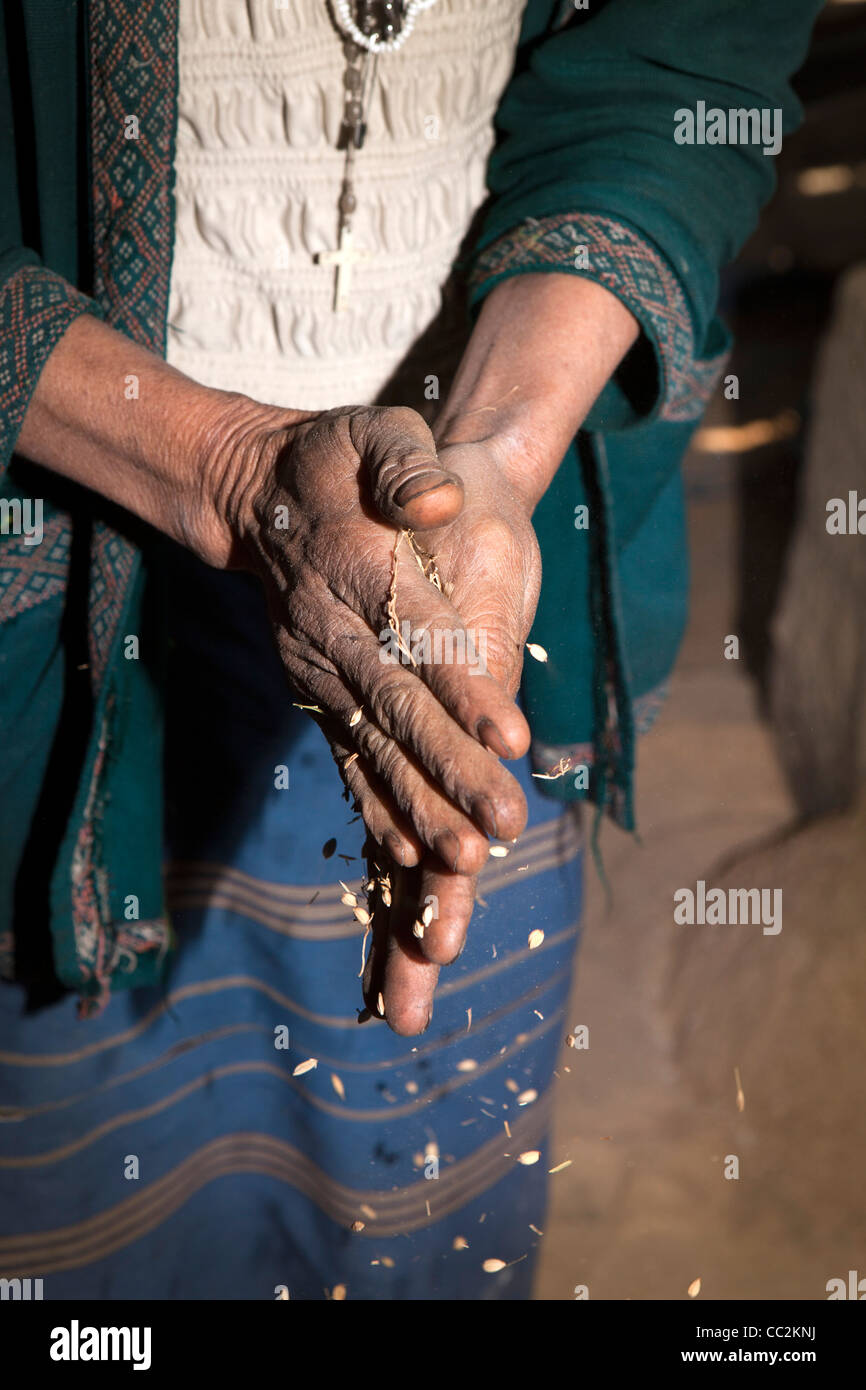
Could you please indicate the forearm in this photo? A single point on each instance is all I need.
(541, 352)
(116, 418)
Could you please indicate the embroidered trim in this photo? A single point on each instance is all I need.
(36, 308)
(555, 760)
(112, 561)
(103, 949)
(133, 71)
(133, 63)
(33, 574)
(631, 268)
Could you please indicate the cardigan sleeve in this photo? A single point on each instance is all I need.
(588, 177)
(37, 182)
(36, 308)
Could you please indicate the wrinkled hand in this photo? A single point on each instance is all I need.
(314, 516)
(490, 555)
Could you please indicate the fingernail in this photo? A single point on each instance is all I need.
(394, 845)
(484, 814)
(416, 487)
(447, 846)
(492, 738)
(429, 1021)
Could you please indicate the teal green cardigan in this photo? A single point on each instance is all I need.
(585, 159)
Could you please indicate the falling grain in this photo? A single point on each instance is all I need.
(535, 938)
(511, 1085)
(498, 851)
(527, 1097)
(349, 899)
(338, 1085)
(302, 1067)
(531, 1156)
(380, 1005)
(353, 757)
(338, 1293)
(741, 1098)
(559, 770)
(535, 1229)
(559, 1167)
(391, 608)
(694, 1288)
(468, 1019)
(357, 1225)
(537, 651)
(493, 1266)
(507, 1128)
(460, 1243)
(356, 717)
(467, 1064)
(367, 930)
(368, 1211)
(418, 930)
(362, 915)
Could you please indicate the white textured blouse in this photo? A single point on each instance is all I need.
(258, 178)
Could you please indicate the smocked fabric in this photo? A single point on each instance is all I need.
(258, 178)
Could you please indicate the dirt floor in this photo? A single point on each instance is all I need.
(649, 1113)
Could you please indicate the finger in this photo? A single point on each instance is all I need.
(451, 658)
(401, 708)
(403, 798)
(443, 782)
(398, 980)
(441, 826)
(409, 486)
(382, 817)
(442, 938)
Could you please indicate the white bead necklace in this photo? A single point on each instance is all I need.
(372, 42)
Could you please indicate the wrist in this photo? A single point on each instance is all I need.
(117, 419)
(542, 350)
(232, 446)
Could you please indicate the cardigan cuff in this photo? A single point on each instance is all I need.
(36, 308)
(664, 376)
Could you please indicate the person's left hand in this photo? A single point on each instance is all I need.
(541, 351)
(490, 556)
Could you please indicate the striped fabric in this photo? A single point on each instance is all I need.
(249, 1177)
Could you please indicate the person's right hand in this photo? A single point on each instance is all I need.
(312, 503)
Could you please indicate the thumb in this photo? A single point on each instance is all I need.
(410, 487)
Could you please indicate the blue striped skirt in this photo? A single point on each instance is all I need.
(167, 1149)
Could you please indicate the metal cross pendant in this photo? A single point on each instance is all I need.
(345, 256)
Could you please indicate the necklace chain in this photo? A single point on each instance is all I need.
(384, 27)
